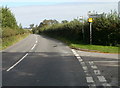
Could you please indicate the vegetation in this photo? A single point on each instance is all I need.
(9, 28)
(105, 31)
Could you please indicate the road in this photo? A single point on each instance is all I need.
(42, 61)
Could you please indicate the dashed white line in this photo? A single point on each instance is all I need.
(85, 68)
(89, 79)
(106, 84)
(17, 62)
(33, 47)
(101, 78)
(36, 41)
(83, 63)
(91, 62)
(97, 72)
(94, 67)
(80, 60)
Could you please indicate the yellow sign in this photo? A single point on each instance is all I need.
(90, 20)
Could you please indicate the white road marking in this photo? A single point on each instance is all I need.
(91, 62)
(89, 79)
(36, 41)
(17, 62)
(107, 61)
(33, 47)
(106, 84)
(85, 68)
(92, 86)
(94, 67)
(80, 60)
(97, 72)
(83, 63)
(101, 78)
(77, 55)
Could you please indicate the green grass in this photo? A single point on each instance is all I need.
(95, 48)
(8, 41)
(88, 47)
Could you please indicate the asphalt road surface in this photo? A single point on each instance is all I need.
(42, 61)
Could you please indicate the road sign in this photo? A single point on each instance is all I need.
(90, 19)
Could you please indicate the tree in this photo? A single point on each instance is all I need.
(48, 22)
(64, 21)
(31, 26)
(8, 19)
(20, 26)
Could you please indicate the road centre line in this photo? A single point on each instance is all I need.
(17, 62)
(21, 58)
(36, 41)
(33, 47)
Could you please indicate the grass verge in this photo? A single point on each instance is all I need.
(88, 47)
(8, 41)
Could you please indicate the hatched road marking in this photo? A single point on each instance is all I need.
(96, 72)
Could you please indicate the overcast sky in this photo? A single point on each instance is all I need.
(35, 11)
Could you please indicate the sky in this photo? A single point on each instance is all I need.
(35, 11)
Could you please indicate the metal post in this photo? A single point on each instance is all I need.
(90, 32)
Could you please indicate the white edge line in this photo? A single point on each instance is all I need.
(17, 62)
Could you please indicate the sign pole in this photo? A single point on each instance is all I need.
(90, 20)
(90, 32)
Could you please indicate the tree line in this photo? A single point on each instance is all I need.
(105, 30)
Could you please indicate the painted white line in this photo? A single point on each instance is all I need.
(94, 67)
(107, 61)
(91, 62)
(17, 62)
(83, 63)
(97, 72)
(87, 74)
(92, 86)
(101, 78)
(85, 68)
(106, 84)
(77, 55)
(80, 60)
(36, 41)
(73, 50)
(89, 79)
(33, 47)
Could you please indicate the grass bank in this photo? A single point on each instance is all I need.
(8, 41)
(87, 47)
